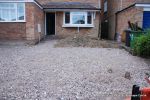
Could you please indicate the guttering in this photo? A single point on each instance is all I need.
(70, 9)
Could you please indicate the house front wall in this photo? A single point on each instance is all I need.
(113, 7)
(65, 31)
(24, 30)
(28, 30)
(134, 15)
(33, 29)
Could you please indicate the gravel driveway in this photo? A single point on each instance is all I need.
(43, 72)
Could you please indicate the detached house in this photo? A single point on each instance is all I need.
(117, 13)
(34, 19)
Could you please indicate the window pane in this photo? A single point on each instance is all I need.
(89, 18)
(67, 17)
(8, 12)
(5, 15)
(7, 5)
(105, 6)
(8, 15)
(20, 10)
(12, 11)
(78, 19)
(78, 13)
(12, 15)
(0, 15)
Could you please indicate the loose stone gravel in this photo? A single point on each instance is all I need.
(43, 72)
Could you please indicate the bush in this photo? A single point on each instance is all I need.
(142, 45)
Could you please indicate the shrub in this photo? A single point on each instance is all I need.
(142, 45)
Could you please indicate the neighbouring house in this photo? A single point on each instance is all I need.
(116, 14)
(34, 19)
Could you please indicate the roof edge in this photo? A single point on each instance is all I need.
(75, 8)
(126, 8)
(38, 4)
(146, 5)
(69, 5)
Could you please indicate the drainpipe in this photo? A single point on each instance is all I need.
(99, 3)
(99, 31)
(121, 5)
(78, 32)
(119, 9)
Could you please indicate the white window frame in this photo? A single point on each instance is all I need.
(78, 25)
(16, 14)
(16, 1)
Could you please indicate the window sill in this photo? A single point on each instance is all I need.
(12, 21)
(86, 26)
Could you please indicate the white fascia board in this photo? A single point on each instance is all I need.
(79, 10)
(143, 5)
(146, 7)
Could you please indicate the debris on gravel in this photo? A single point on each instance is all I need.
(128, 75)
(110, 71)
(85, 41)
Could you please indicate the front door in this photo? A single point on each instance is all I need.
(50, 23)
(146, 19)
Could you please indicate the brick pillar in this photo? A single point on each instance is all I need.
(30, 34)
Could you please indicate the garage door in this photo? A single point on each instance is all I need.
(146, 20)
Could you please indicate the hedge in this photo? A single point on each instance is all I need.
(142, 45)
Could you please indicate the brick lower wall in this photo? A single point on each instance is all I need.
(133, 15)
(93, 32)
(12, 31)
